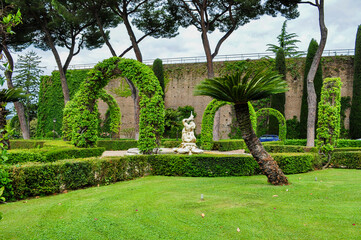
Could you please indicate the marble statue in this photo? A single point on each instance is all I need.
(188, 144)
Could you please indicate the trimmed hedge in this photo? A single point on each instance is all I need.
(229, 145)
(221, 165)
(341, 143)
(47, 178)
(283, 148)
(346, 160)
(298, 142)
(171, 143)
(117, 144)
(21, 144)
(17, 156)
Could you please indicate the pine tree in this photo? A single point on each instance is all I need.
(287, 41)
(278, 100)
(159, 73)
(355, 115)
(312, 48)
(27, 77)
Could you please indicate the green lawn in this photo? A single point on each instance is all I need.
(170, 208)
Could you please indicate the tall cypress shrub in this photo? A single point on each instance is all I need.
(159, 73)
(355, 115)
(278, 100)
(312, 48)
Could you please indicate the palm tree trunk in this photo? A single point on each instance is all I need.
(267, 164)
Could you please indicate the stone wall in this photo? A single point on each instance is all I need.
(182, 78)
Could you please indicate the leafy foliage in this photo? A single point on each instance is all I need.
(355, 116)
(173, 120)
(329, 107)
(51, 99)
(81, 115)
(208, 121)
(281, 120)
(27, 77)
(287, 42)
(159, 73)
(278, 101)
(115, 145)
(221, 165)
(312, 48)
(34, 179)
(114, 117)
(293, 128)
(243, 86)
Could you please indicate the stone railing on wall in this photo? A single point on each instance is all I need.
(223, 58)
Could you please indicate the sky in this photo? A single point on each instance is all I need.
(341, 17)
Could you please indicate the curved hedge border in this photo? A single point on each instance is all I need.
(281, 120)
(81, 114)
(208, 121)
(115, 115)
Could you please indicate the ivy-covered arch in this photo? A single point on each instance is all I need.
(282, 127)
(208, 121)
(114, 110)
(81, 114)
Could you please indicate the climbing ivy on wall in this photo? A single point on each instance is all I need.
(208, 121)
(114, 111)
(282, 127)
(51, 99)
(328, 125)
(80, 114)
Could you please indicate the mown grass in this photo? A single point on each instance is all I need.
(157, 207)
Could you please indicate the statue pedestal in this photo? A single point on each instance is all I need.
(189, 148)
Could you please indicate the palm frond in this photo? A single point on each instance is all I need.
(241, 87)
(11, 95)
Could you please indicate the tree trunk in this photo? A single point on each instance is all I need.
(311, 98)
(100, 25)
(64, 84)
(24, 126)
(267, 164)
(133, 40)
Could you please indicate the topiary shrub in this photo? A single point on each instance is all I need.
(351, 159)
(317, 82)
(355, 116)
(115, 145)
(51, 155)
(32, 179)
(282, 127)
(159, 73)
(114, 119)
(208, 121)
(328, 129)
(278, 100)
(21, 144)
(221, 165)
(229, 145)
(80, 114)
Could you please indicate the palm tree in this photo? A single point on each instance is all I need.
(240, 88)
(6, 96)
